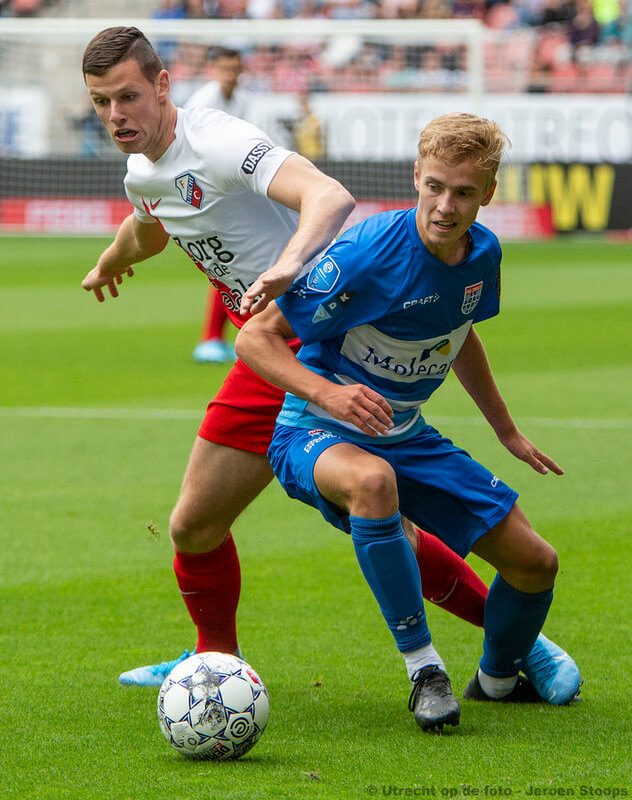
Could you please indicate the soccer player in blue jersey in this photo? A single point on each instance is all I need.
(383, 318)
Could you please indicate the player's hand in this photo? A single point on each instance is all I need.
(522, 448)
(361, 406)
(95, 281)
(268, 286)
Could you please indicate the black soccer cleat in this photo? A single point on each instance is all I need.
(523, 692)
(432, 701)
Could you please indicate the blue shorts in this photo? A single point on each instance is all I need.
(441, 488)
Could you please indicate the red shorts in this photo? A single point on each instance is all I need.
(244, 411)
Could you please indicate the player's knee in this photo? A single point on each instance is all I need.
(541, 566)
(375, 491)
(190, 534)
(547, 564)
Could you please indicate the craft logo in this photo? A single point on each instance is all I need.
(189, 189)
(323, 277)
(421, 301)
(254, 157)
(471, 297)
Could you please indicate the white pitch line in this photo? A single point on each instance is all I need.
(44, 412)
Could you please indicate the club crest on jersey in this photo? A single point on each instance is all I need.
(323, 277)
(471, 297)
(189, 189)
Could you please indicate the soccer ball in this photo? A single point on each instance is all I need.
(213, 706)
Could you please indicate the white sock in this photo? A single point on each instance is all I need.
(496, 687)
(423, 657)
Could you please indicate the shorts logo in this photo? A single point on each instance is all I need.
(317, 437)
(254, 157)
(323, 277)
(189, 189)
(471, 297)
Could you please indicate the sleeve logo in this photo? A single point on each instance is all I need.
(189, 189)
(254, 157)
(324, 276)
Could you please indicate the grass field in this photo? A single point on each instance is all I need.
(99, 406)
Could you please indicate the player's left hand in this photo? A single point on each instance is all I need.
(524, 449)
(269, 285)
(95, 282)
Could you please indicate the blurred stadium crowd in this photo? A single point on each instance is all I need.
(533, 45)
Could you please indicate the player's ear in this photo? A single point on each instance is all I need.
(490, 193)
(163, 84)
(416, 176)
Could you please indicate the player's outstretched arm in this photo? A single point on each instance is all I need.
(473, 371)
(261, 343)
(134, 242)
(323, 205)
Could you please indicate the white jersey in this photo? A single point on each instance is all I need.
(211, 96)
(208, 191)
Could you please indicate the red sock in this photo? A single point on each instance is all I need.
(210, 584)
(448, 581)
(213, 327)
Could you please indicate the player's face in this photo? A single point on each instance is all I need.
(136, 111)
(449, 198)
(227, 70)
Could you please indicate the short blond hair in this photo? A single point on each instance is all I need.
(463, 137)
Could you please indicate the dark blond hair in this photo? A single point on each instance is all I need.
(463, 137)
(114, 45)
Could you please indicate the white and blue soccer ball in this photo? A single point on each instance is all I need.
(213, 706)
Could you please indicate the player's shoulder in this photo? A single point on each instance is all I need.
(222, 140)
(371, 250)
(210, 126)
(379, 230)
(485, 239)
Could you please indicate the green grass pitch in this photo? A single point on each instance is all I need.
(99, 405)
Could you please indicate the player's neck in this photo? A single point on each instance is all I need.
(451, 253)
(166, 135)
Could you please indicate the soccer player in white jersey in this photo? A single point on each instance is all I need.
(251, 216)
(383, 318)
(224, 91)
(225, 94)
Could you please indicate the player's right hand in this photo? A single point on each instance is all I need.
(95, 281)
(363, 407)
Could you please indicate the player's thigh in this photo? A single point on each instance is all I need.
(356, 480)
(219, 483)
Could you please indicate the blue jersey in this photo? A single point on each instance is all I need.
(381, 310)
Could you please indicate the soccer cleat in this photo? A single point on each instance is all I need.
(523, 692)
(432, 701)
(152, 675)
(553, 672)
(213, 351)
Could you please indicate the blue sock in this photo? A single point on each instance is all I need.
(391, 570)
(513, 620)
